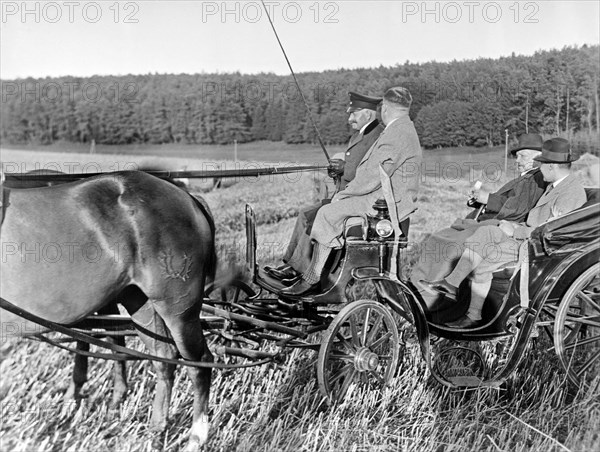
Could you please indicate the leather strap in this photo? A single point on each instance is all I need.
(134, 354)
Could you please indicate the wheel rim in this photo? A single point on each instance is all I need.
(577, 328)
(360, 346)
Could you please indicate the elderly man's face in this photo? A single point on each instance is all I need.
(525, 159)
(359, 118)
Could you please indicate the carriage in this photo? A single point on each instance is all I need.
(556, 290)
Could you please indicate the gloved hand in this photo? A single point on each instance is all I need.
(336, 168)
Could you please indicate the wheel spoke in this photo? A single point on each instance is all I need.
(374, 330)
(587, 341)
(587, 320)
(340, 357)
(353, 329)
(588, 299)
(381, 340)
(588, 363)
(366, 327)
(340, 374)
(349, 346)
(346, 384)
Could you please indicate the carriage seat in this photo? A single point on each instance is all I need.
(593, 196)
(507, 271)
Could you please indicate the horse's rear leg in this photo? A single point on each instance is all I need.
(186, 330)
(79, 376)
(119, 376)
(147, 318)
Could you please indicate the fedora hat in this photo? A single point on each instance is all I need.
(556, 150)
(528, 141)
(360, 101)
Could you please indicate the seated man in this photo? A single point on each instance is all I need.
(398, 152)
(491, 247)
(512, 202)
(362, 119)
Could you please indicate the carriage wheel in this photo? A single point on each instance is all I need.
(577, 328)
(360, 346)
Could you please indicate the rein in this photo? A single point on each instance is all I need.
(122, 353)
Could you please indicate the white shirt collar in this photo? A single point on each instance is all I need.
(391, 122)
(362, 130)
(555, 183)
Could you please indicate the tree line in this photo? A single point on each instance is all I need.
(460, 103)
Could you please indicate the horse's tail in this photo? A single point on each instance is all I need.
(212, 259)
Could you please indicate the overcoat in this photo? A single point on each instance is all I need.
(498, 249)
(299, 250)
(398, 151)
(514, 200)
(438, 254)
(358, 146)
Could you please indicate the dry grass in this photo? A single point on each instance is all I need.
(278, 407)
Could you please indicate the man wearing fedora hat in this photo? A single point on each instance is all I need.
(512, 202)
(397, 152)
(491, 247)
(363, 120)
(515, 199)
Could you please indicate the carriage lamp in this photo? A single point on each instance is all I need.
(380, 230)
(384, 228)
(380, 226)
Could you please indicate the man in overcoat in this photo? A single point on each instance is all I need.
(512, 202)
(398, 152)
(491, 247)
(362, 118)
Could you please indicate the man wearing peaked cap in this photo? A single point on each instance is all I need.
(563, 194)
(342, 168)
(397, 152)
(360, 101)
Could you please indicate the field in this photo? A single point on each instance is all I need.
(278, 407)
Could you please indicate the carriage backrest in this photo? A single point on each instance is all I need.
(593, 196)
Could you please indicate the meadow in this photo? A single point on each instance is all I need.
(278, 407)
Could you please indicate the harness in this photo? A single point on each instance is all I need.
(120, 353)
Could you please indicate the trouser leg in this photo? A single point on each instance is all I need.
(302, 255)
(479, 292)
(465, 265)
(319, 258)
(298, 232)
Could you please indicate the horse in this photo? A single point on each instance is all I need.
(71, 249)
(80, 367)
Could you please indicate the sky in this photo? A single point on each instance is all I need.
(86, 38)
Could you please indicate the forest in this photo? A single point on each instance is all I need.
(458, 103)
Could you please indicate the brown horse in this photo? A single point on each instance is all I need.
(70, 249)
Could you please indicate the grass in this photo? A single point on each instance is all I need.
(278, 407)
